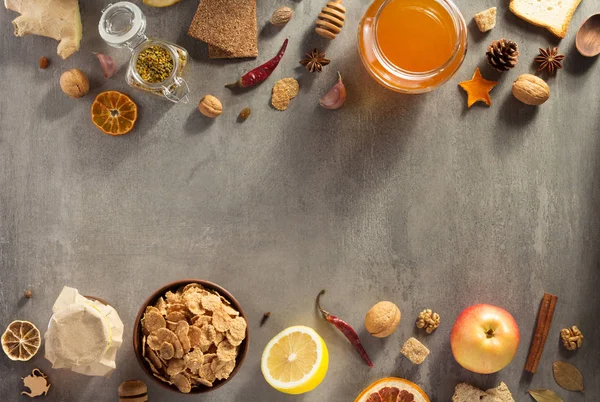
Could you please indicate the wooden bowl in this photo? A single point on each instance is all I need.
(173, 286)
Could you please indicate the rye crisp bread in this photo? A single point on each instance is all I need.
(228, 26)
(218, 53)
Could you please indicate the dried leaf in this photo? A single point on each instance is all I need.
(544, 395)
(567, 376)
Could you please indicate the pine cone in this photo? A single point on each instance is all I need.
(502, 54)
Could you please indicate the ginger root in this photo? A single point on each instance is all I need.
(56, 19)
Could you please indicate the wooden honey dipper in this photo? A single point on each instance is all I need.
(331, 19)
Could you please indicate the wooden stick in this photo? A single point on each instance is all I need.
(544, 321)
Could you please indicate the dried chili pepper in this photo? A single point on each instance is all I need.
(345, 329)
(260, 73)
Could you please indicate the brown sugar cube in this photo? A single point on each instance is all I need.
(415, 351)
(133, 391)
(486, 20)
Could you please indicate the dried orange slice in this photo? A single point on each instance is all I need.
(392, 389)
(114, 113)
(21, 340)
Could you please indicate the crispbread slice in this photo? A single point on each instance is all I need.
(218, 53)
(554, 15)
(229, 26)
(464, 392)
(467, 393)
(501, 392)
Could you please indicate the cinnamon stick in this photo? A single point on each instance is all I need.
(544, 321)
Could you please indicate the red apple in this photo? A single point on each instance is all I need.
(484, 338)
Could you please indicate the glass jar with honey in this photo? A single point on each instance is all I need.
(412, 46)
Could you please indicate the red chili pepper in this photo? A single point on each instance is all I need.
(346, 329)
(260, 73)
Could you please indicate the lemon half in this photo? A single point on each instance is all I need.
(295, 361)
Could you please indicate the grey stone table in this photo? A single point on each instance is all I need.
(413, 199)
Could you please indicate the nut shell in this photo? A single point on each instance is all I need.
(382, 319)
(74, 83)
(531, 90)
(210, 106)
(281, 16)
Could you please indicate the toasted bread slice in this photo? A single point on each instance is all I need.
(554, 15)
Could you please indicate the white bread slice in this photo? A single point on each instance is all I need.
(554, 15)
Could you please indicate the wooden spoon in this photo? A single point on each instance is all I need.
(588, 37)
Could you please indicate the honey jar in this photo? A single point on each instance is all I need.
(412, 46)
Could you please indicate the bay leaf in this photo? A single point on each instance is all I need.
(567, 376)
(544, 395)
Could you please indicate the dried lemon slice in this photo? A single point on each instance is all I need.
(114, 113)
(160, 3)
(21, 340)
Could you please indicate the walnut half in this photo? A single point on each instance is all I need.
(572, 338)
(428, 320)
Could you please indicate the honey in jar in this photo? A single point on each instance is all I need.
(412, 46)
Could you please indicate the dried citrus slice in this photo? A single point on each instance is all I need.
(160, 3)
(114, 113)
(295, 361)
(392, 389)
(21, 340)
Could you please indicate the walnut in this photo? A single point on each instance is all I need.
(531, 90)
(210, 106)
(428, 320)
(572, 338)
(74, 83)
(382, 319)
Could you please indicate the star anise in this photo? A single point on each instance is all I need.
(549, 59)
(315, 61)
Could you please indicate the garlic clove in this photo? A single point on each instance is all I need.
(109, 68)
(336, 97)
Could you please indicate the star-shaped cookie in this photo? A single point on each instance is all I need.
(478, 89)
